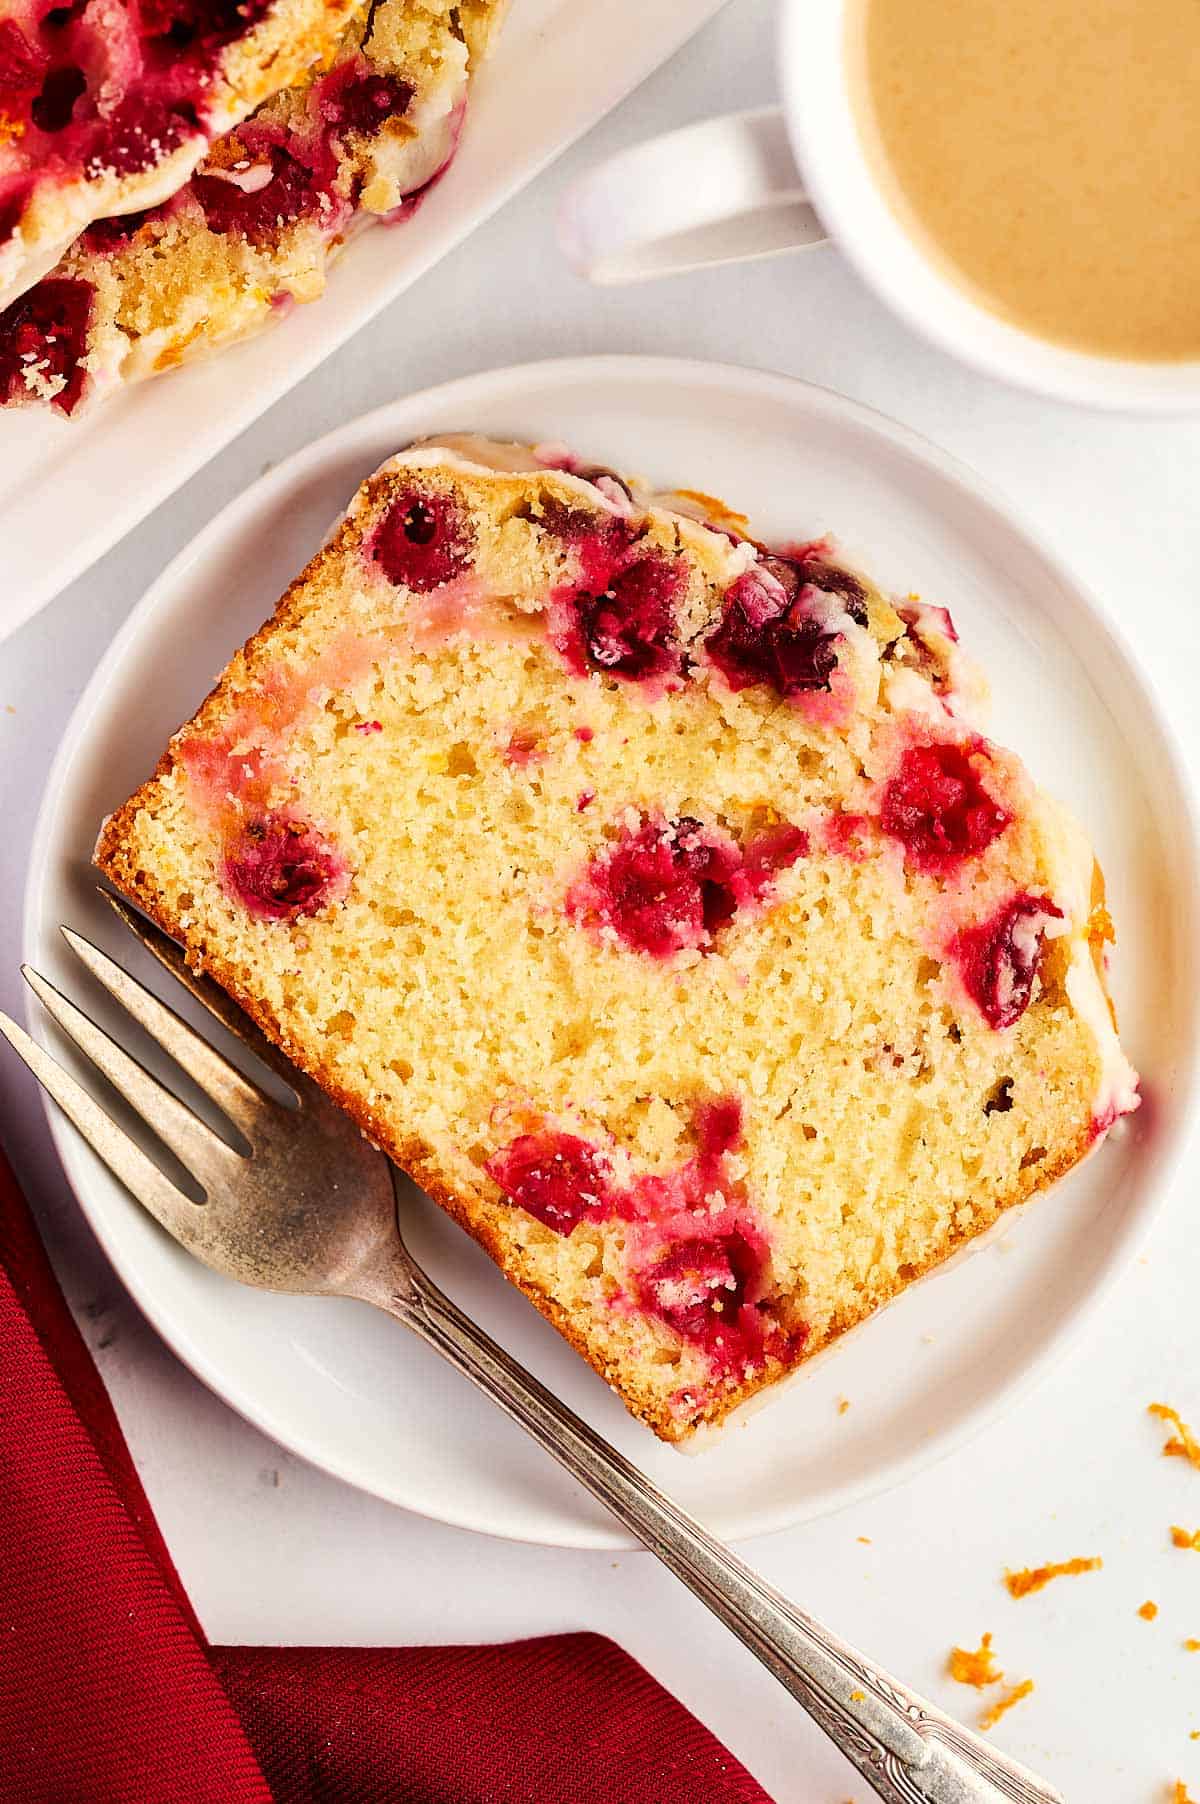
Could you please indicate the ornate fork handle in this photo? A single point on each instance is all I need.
(905, 1747)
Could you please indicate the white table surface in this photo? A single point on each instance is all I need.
(274, 1552)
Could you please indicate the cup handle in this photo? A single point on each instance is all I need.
(721, 191)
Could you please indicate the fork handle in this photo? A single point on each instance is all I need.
(908, 1750)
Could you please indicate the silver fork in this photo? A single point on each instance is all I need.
(311, 1208)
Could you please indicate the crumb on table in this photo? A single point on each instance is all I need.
(1182, 1537)
(1035, 1578)
(991, 1717)
(974, 1666)
(1183, 1443)
(1148, 1611)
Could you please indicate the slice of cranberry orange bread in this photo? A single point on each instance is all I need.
(651, 898)
(107, 105)
(256, 227)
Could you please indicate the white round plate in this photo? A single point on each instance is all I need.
(347, 1388)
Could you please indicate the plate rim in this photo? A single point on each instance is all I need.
(542, 376)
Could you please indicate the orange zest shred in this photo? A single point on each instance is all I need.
(1182, 1537)
(1191, 1645)
(1000, 1708)
(1183, 1443)
(1181, 1794)
(974, 1667)
(1148, 1611)
(1035, 1578)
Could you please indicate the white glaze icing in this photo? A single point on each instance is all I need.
(1073, 863)
(473, 454)
(905, 691)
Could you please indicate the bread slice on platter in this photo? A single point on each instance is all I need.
(106, 106)
(359, 137)
(650, 895)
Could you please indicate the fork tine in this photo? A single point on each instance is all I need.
(190, 1139)
(124, 1158)
(209, 994)
(220, 1080)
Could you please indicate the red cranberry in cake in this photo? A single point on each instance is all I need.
(112, 234)
(778, 628)
(423, 541)
(672, 885)
(357, 98)
(141, 133)
(702, 1266)
(13, 197)
(599, 542)
(818, 573)
(629, 628)
(701, 1289)
(1000, 960)
(523, 747)
(23, 68)
(848, 834)
(210, 21)
(918, 616)
(52, 108)
(937, 807)
(1108, 1118)
(770, 852)
(276, 187)
(660, 889)
(279, 869)
(43, 336)
(557, 1178)
(928, 646)
(698, 1261)
(718, 1129)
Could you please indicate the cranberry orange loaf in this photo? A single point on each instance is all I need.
(107, 105)
(651, 898)
(255, 228)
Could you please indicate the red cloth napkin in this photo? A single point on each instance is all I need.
(110, 1694)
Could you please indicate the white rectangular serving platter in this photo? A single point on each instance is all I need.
(70, 489)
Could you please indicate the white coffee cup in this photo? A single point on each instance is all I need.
(758, 183)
